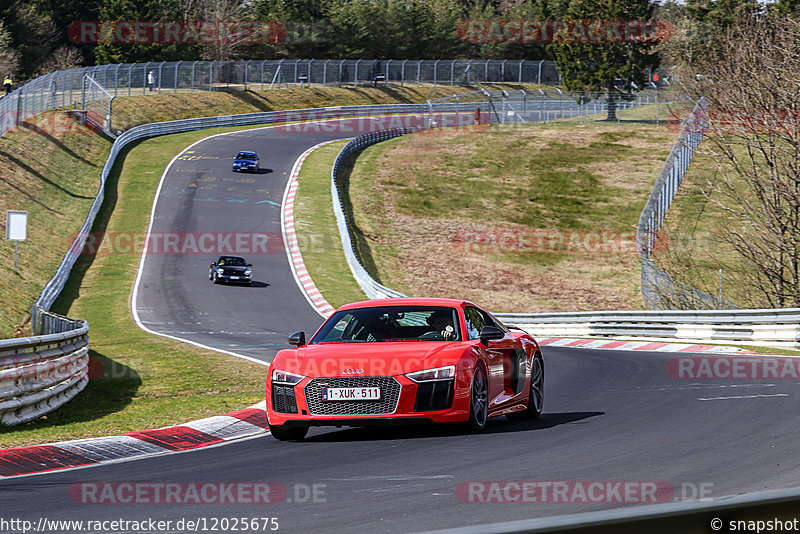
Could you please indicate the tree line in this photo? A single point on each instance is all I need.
(36, 36)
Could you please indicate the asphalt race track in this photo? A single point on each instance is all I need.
(608, 416)
(200, 194)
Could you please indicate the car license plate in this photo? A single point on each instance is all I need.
(351, 394)
(235, 277)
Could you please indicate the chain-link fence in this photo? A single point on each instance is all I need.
(661, 291)
(65, 88)
(545, 105)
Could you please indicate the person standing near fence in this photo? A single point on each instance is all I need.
(151, 79)
(7, 83)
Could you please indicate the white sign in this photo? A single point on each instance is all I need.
(16, 225)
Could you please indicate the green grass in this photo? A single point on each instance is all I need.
(691, 248)
(413, 195)
(149, 381)
(52, 172)
(318, 235)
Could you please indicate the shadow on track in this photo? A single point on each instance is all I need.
(499, 425)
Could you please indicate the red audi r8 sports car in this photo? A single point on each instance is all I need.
(404, 360)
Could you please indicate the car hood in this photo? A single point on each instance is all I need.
(244, 161)
(237, 268)
(376, 359)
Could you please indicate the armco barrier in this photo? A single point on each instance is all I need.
(39, 374)
(369, 285)
(749, 512)
(778, 327)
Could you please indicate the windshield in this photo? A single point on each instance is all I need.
(390, 323)
(231, 261)
(246, 155)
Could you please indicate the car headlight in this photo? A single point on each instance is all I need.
(285, 377)
(248, 272)
(440, 373)
(220, 270)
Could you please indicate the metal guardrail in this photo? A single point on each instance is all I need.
(369, 285)
(769, 327)
(749, 512)
(39, 374)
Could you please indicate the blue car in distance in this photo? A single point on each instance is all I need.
(245, 161)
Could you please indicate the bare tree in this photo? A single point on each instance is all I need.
(227, 14)
(9, 62)
(752, 84)
(62, 58)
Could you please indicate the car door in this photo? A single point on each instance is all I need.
(498, 355)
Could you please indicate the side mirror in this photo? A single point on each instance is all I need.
(490, 333)
(249, 264)
(297, 339)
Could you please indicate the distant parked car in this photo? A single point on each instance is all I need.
(230, 269)
(246, 161)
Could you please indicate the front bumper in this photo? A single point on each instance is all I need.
(245, 167)
(241, 278)
(302, 404)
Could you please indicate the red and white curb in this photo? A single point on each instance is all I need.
(643, 346)
(301, 276)
(35, 459)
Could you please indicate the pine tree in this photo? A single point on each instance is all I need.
(616, 61)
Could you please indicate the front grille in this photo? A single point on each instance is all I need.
(390, 395)
(434, 395)
(283, 399)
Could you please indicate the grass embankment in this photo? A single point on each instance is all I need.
(51, 170)
(135, 110)
(138, 381)
(691, 247)
(515, 219)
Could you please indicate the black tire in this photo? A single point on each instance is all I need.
(535, 391)
(479, 400)
(292, 433)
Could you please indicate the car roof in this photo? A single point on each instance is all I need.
(231, 256)
(408, 301)
(249, 153)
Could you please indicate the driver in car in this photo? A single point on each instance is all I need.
(441, 323)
